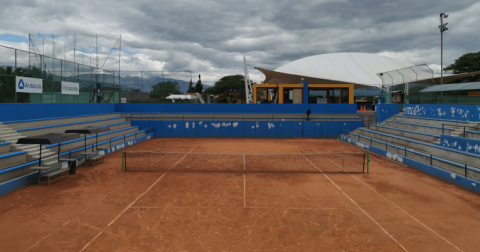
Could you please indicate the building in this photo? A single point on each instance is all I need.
(332, 78)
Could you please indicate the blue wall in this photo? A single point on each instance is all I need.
(235, 108)
(247, 129)
(460, 143)
(385, 111)
(14, 112)
(447, 176)
(446, 112)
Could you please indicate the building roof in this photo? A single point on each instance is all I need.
(453, 87)
(361, 69)
(181, 96)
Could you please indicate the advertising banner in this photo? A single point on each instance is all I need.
(70, 88)
(28, 85)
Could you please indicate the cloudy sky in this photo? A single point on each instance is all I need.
(212, 37)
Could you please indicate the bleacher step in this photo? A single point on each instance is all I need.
(25, 147)
(6, 131)
(13, 139)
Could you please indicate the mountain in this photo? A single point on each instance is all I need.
(133, 82)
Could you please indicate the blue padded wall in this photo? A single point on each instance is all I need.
(385, 111)
(202, 129)
(440, 111)
(235, 108)
(248, 129)
(19, 112)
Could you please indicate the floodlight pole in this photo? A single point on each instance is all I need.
(442, 27)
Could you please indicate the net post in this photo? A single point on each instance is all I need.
(368, 162)
(123, 161)
(343, 162)
(244, 165)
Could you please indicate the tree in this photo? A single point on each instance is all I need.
(163, 89)
(230, 89)
(467, 63)
(191, 89)
(199, 86)
(7, 83)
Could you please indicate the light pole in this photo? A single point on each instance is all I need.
(442, 27)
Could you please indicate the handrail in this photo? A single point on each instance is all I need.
(147, 131)
(418, 152)
(213, 117)
(464, 128)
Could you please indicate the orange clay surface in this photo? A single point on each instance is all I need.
(394, 208)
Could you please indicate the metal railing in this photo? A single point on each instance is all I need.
(457, 126)
(240, 118)
(432, 157)
(124, 138)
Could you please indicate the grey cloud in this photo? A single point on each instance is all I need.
(211, 37)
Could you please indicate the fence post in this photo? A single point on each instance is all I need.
(464, 131)
(431, 160)
(465, 170)
(124, 138)
(386, 146)
(110, 143)
(405, 151)
(443, 132)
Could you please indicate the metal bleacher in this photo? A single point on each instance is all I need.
(419, 138)
(15, 159)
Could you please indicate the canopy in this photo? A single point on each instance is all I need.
(88, 130)
(361, 69)
(452, 87)
(51, 138)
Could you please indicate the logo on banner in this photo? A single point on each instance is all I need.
(21, 85)
(70, 88)
(28, 85)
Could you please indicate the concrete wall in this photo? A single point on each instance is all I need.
(248, 129)
(385, 111)
(14, 112)
(447, 176)
(235, 108)
(446, 112)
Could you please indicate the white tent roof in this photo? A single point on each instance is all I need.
(356, 68)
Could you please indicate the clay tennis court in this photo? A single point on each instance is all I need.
(101, 208)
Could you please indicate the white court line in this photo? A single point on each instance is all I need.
(197, 207)
(38, 242)
(244, 190)
(75, 216)
(415, 219)
(407, 213)
(355, 203)
(131, 204)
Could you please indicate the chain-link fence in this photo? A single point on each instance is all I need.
(450, 97)
(52, 71)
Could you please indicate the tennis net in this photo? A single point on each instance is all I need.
(139, 161)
